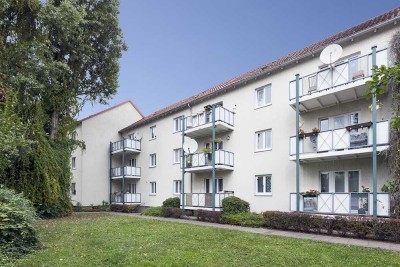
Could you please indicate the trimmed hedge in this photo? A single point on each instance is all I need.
(152, 211)
(91, 208)
(124, 208)
(235, 205)
(349, 226)
(208, 216)
(172, 202)
(172, 212)
(248, 219)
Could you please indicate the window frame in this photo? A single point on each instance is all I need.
(73, 163)
(217, 185)
(179, 119)
(264, 179)
(153, 132)
(153, 188)
(151, 165)
(175, 184)
(73, 188)
(179, 152)
(332, 185)
(264, 89)
(264, 148)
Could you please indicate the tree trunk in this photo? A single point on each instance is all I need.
(54, 125)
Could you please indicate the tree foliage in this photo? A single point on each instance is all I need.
(388, 78)
(55, 56)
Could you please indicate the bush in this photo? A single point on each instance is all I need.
(172, 212)
(124, 208)
(91, 208)
(353, 226)
(249, 219)
(17, 215)
(235, 205)
(152, 211)
(172, 202)
(208, 216)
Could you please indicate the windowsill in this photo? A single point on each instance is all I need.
(151, 139)
(73, 169)
(153, 166)
(263, 150)
(175, 163)
(152, 194)
(177, 132)
(263, 194)
(263, 106)
(177, 194)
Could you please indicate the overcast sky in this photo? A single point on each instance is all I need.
(178, 48)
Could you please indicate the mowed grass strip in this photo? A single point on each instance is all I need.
(109, 240)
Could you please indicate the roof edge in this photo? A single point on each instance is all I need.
(111, 108)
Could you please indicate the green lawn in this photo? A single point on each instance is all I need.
(110, 240)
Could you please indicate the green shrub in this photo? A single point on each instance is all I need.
(235, 205)
(152, 211)
(172, 202)
(121, 208)
(17, 215)
(172, 212)
(208, 216)
(249, 219)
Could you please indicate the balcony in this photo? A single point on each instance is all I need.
(128, 172)
(344, 82)
(204, 200)
(202, 162)
(128, 198)
(200, 125)
(343, 204)
(350, 142)
(130, 146)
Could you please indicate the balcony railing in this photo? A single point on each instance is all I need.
(204, 200)
(128, 171)
(351, 137)
(356, 203)
(341, 73)
(129, 144)
(205, 117)
(128, 198)
(222, 157)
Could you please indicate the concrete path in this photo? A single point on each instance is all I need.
(266, 231)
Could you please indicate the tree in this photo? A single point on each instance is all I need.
(389, 77)
(55, 56)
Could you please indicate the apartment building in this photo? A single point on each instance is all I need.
(244, 135)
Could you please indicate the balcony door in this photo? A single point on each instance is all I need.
(132, 163)
(339, 181)
(132, 188)
(219, 185)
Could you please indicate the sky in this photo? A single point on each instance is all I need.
(178, 48)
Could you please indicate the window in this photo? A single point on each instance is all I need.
(73, 163)
(324, 125)
(263, 185)
(132, 163)
(324, 182)
(131, 136)
(132, 188)
(177, 155)
(263, 96)
(153, 188)
(178, 124)
(219, 185)
(264, 140)
(345, 120)
(73, 188)
(340, 181)
(73, 136)
(353, 181)
(153, 134)
(218, 144)
(153, 160)
(177, 187)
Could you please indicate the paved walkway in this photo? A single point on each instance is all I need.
(265, 231)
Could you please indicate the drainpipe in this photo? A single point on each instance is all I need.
(110, 173)
(213, 157)
(297, 144)
(183, 162)
(123, 172)
(374, 159)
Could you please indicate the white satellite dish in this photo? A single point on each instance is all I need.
(137, 136)
(190, 145)
(331, 54)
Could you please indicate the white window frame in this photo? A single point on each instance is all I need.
(217, 187)
(153, 132)
(264, 179)
(264, 100)
(176, 154)
(331, 174)
(177, 124)
(153, 155)
(132, 162)
(177, 185)
(153, 188)
(73, 163)
(74, 135)
(348, 116)
(73, 188)
(132, 188)
(264, 146)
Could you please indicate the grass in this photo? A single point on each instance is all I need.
(110, 240)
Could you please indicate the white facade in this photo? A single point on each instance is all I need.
(255, 159)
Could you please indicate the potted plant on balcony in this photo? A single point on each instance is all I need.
(207, 108)
(208, 155)
(314, 134)
(310, 200)
(301, 133)
(189, 161)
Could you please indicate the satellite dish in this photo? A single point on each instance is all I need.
(331, 54)
(137, 136)
(190, 145)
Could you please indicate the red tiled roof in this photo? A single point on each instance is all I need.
(111, 108)
(272, 65)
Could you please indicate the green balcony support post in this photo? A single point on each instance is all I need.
(213, 157)
(110, 172)
(374, 156)
(183, 161)
(297, 144)
(123, 172)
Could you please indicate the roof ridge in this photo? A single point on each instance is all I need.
(111, 108)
